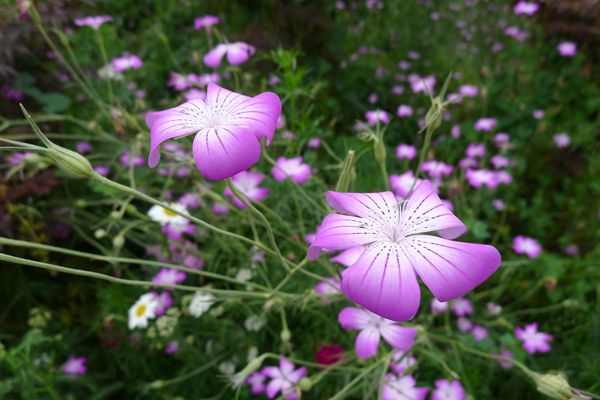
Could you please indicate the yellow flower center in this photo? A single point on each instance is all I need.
(169, 212)
(140, 310)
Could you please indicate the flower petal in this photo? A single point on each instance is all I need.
(367, 342)
(222, 152)
(238, 53)
(450, 269)
(383, 282)
(349, 256)
(354, 318)
(424, 212)
(399, 337)
(213, 58)
(362, 204)
(338, 232)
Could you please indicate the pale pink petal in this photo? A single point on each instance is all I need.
(383, 282)
(213, 58)
(349, 256)
(367, 342)
(339, 232)
(361, 204)
(354, 318)
(238, 53)
(449, 268)
(274, 387)
(399, 337)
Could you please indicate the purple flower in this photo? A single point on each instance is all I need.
(377, 116)
(383, 280)
(475, 150)
(455, 131)
(527, 245)
(525, 7)
(83, 147)
(93, 21)
(401, 361)
(462, 307)
(404, 111)
(485, 124)
(291, 168)
(283, 379)
(501, 138)
(499, 204)
(538, 114)
(401, 184)
(257, 382)
(436, 169)
(372, 327)
(500, 161)
(349, 256)
(505, 363)
(421, 84)
(562, 140)
(125, 62)
(468, 90)
(493, 308)
(406, 151)
(479, 333)
(169, 276)
(448, 390)
(75, 366)
(205, 22)
(172, 347)
(126, 159)
(237, 53)
(314, 143)
(438, 307)
(402, 388)
(164, 300)
(227, 125)
(567, 49)
(464, 325)
(247, 182)
(102, 170)
(533, 341)
(330, 286)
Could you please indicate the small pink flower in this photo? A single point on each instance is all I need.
(283, 379)
(562, 140)
(533, 341)
(377, 116)
(237, 53)
(479, 333)
(468, 90)
(205, 22)
(372, 327)
(567, 49)
(247, 182)
(498, 204)
(314, 143)
(475, 150)
(125, 62)
(538, 114)
(291, 168)
(401, 184)
(325, 289)
(164, 300)
(505, 363)
(169, 276)
(438, 307)
(461, 307)
(464, 325)
(93, 21)
(421, 84)
(501, 138)
(172, 347)
(500, 162)
(401, 361)
(83, 147)
(75, 366)
(436, 169)
(485, 124)
(455, 131)
(448, 390)
(527, 245)
(404, 111)
(126, 159)
(402, 388)
(526, 8)
(406, 151)
(256, 380)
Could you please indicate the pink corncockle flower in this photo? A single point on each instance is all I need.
(330, 286)
(462, 307)
(256, 380)
(227, 125)
(164, 300)
(504, 363)
(571, 250)
(169, 276)
(436, 169)
(413, 55)
(237, 53)
(374, 4)
(562, 140)
(402, 388)
(93, 21)
(384, 279)
(479, 333)
(482, 177)
(468, 90)
(404, 65)
(247, 182)
(516, 33)
(372, 327)
(194, 94)
(404, 111)
(533, 340)
(179, 81)
(421, 84)
(448, 390)
(373, 98)
(475, 150)
(125, 62)
(527, 245)
(493, 309)
(190, 200)
(172, 347)
(538, 114)
(467, 163)
(499, 204)
(377, 117)
(83, 147)
(283, 379)
(314, 143)
(406, 151)
(205, 22)
(397, 90)
(349, 256)
(102, 170)
(485, 124)
(126, 159)
(75, 366)
(292, 168)
(455, 131)
(454, 98)
(526, 8)
(501, 138)
(567, 49)
(438, 307)
(401, 361)
(401, 184)
(500, 162)
(464, 325)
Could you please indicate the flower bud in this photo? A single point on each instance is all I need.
(305, 384)
(379, 150)
(70, 162)
(118, 242)
(553, 385)
(99, 233)
(80, 203)
(156, 384)
(115, 215)
(286, 335)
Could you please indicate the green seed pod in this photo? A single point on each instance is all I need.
(70, 162)
(286, 335)
(305, 384)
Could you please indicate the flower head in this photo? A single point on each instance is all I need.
(125, 62)
(402, 388)
(404, 111)
(142, 311)
(292, 168)
(329, 354)
(201, 303)
(448, 390)
(526, 7)
(205, 22)
(406, 151)
(75, 366)
(93, 21)
(462, 307)
(485, 124)
(237, 53)
(377, 116)
(372, 327)
(533, 340)
(401, 184)
(283, 379)
(567, 49)
(247, 182)
(527, 245)
(169, 276)
(256, 380)
(562, 140)
(227, 125)
(384, 278)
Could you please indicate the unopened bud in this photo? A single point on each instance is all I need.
(156, 385)
(99, 233)
(286, 335)
(347, 175)
(553, 385)
(80, 203)
(118, 242)
(70, 162)
(305, 384)
(115, 215)
(379, 150)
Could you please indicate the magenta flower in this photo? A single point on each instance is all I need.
(349, 256)
(83, 147)
(475, 150)
(402, 388)
(485, 124)
(468, 90)
(538, 114)
(331, 286)
(247, 182)
(401, 184)
(404, 111)
(406, 151)
(256, 380)
(436, 169)
(500, 162)
(75, 366)
(377, 116)
(455, 131)
(479, 333)
(533, 341)
(462, 307)
(291, 168)
(401, 361)
(205, 22)
(314, 143)
(228, 127)
(92, 21)
(125, 62)
(172, 347)
(372, 327)
(164, 300)
(527, 245)
(283, 379)
(499, 204)
(562, 140)
(237, 53)
(448, 390)
(464, 325)
(420, 84)
(526, 7)
(169, 276)
(126, 159)
(438, 307)
(567, 49)
(383, 280)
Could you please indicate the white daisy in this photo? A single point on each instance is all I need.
(168, 217)
(143, 310)
(201, 303)
(254, 323)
